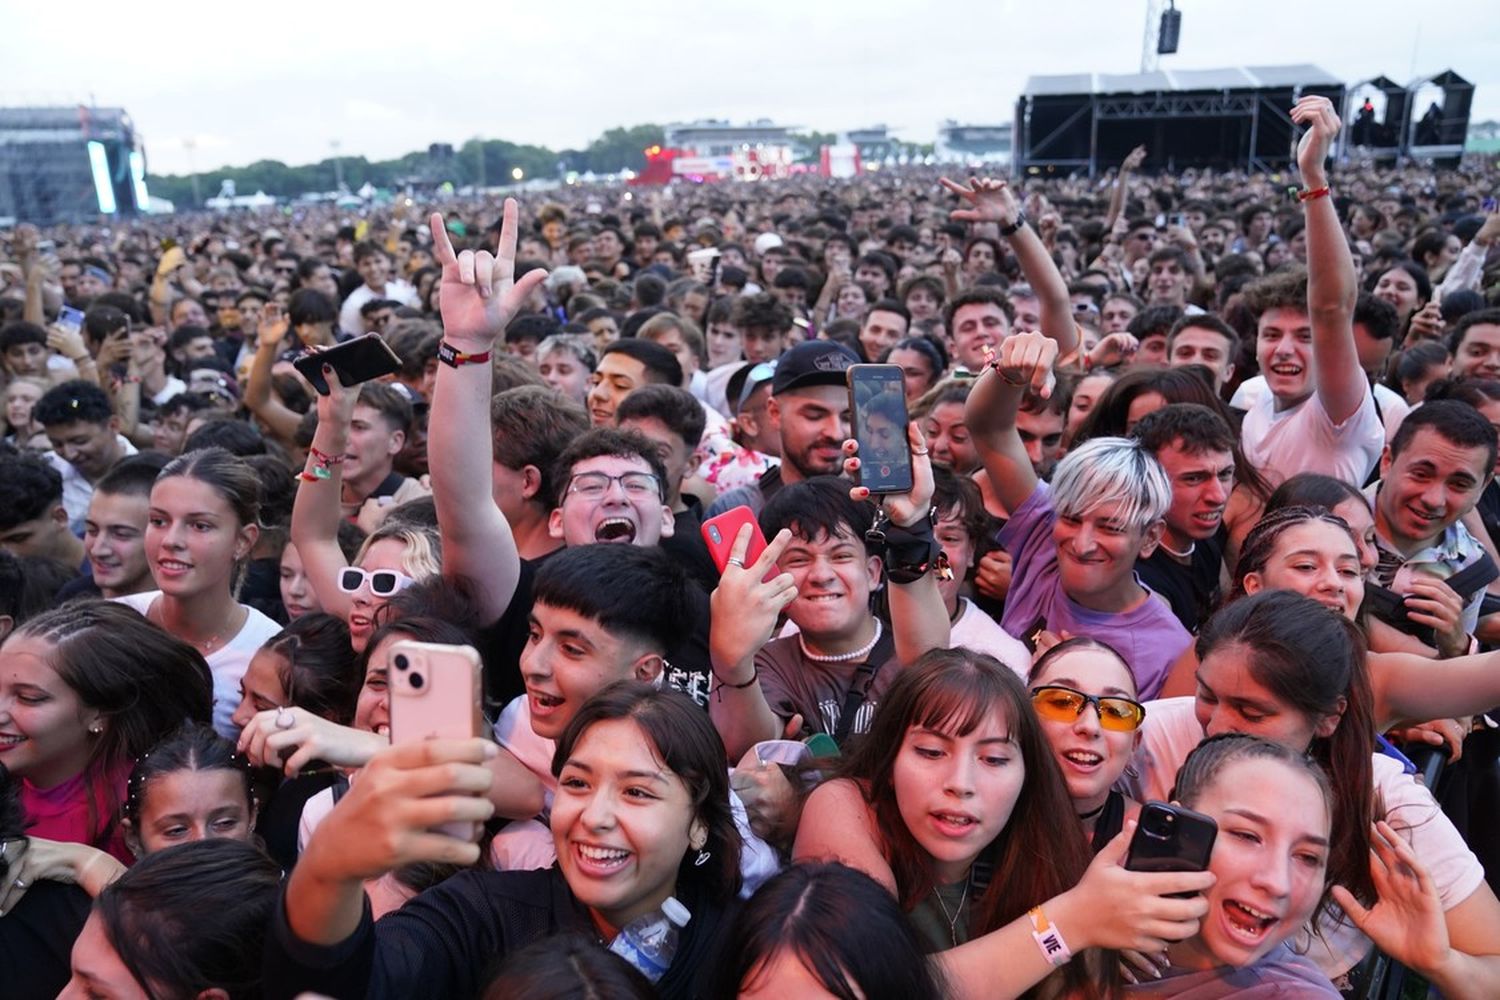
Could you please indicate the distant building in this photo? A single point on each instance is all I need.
(974, 143)
(711, 137)
(69, 164)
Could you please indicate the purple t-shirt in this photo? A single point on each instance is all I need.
(1149, 637)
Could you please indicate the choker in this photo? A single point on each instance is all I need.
(1094, 812)
(858, 654)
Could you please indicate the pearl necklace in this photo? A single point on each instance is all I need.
(858, 654)
(1192, 547)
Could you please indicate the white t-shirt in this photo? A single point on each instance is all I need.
(351, 323)
(978, 631)
(530, 844)
(1303, 438)
(1393, 409)
(1170, 733)
(228, 663)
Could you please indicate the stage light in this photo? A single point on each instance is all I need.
(99, 162)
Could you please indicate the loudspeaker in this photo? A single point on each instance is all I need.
(1171, 28)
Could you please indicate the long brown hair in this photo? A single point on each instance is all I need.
(1040, 853)
(1312, 659)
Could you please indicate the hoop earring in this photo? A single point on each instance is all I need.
(702, 859)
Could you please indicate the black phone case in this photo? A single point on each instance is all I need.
(358, 360)
(1185, 846)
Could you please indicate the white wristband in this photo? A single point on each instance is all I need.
(1049, 939)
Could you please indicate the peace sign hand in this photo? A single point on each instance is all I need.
(479, 292)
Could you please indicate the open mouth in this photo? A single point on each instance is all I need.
(1246, 922)
(597, 860)
(615, 529)
(1286, 370)
(1086, 759)
(173, 565)
(7, 741)
(953, 824)
(544, 704)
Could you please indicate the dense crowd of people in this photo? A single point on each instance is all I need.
(1202, 510)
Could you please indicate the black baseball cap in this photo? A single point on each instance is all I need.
(812, 362)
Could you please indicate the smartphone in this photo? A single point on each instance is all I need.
(877, 400)
(70, 319)
(1171, 838)
(435, 693)
(358, 360)
(720, 532)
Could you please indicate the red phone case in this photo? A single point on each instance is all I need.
(720, 532)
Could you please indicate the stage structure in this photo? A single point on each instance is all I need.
(69, 164)
(1437, 131)
(1229, 119)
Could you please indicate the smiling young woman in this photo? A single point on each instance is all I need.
(642, 813)
(201, 528)
(84, 690)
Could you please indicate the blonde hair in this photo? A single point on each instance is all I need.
(423, 555)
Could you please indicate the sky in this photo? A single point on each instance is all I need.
(286, 81)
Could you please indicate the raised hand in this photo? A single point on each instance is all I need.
(479, 292)
(745, 605)
(1406, 921)
(989, 200)
(1133, 159)
(1318, 116)
(1026, 359)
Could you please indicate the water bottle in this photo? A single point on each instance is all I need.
(649, 942)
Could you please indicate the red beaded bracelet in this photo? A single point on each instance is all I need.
(1314, 194)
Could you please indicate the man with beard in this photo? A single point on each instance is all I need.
(809, 408)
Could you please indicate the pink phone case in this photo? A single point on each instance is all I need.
(435, 694)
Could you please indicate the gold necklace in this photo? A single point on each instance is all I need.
(203, 647)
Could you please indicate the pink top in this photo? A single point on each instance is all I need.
(62, 812)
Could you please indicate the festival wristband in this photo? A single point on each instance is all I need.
(1049, 939)
(454, 358)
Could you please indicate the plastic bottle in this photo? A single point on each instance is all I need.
(649, 942)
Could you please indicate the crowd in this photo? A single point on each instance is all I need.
(1203, 510)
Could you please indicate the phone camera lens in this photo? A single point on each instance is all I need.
(416, 681)
(401, 661)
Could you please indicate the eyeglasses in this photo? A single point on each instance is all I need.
(1063, 704)
(593, 485)
(383, 582)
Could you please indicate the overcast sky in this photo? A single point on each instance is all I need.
(283, 80)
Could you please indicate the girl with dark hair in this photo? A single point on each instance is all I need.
(825, 929)
(923, 362)
(568, 967)
(642, 813)
(189, 921)
(940, 413)
(201, 529)
(1404, 285)
(1341, 499)
(1417, 368)
(949, 800)
(309, 664)
(84, 690)
(1270, 859)
(1084, 694)
(1278, 665)
(192, 786)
